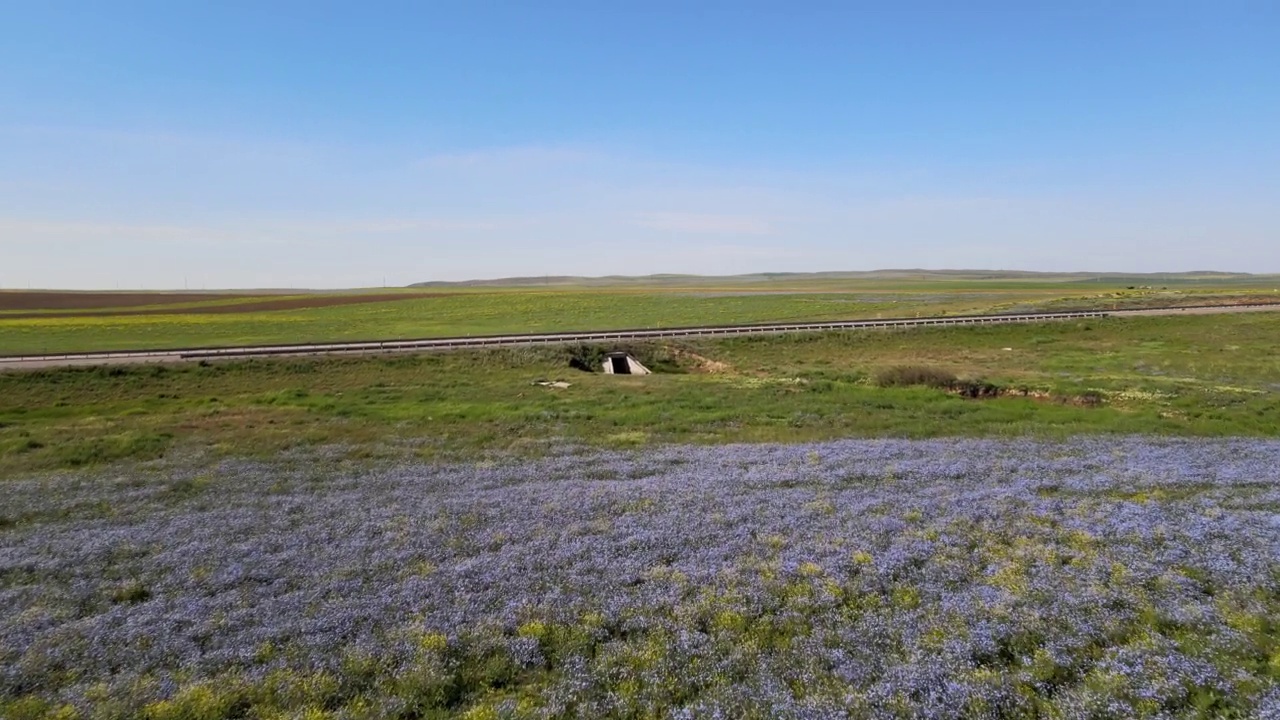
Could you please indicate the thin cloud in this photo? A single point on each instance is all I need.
(508, 158)
(32, 231)
(707, 223)
(14, 231)
(395, 226)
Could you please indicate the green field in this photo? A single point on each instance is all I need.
(353, 442)
(1202, 375)
(455, 310)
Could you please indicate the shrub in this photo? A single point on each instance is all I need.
(908, 375)
(585, 357)
(975, 389)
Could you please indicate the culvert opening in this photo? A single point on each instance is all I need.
(621, 363)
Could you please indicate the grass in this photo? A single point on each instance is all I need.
(1200, 375)
(1191, 376)
(495, 311)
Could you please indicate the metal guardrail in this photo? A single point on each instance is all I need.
(385, 346)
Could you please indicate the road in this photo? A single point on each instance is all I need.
(32, 362)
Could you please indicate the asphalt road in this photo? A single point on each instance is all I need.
(33, 362)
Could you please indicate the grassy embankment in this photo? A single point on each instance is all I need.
(1203, 375)
(223, 321)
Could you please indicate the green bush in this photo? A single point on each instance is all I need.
(587, 358)
(909, 375)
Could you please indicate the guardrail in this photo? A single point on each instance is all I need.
(383, 346)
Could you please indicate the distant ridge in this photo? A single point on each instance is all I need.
(918, 274)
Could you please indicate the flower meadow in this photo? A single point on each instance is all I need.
(1091, 578)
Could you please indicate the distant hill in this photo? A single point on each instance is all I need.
(909, 274)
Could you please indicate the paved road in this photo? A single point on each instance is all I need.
(32, 362)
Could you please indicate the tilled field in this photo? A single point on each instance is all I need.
(968, 578)
(250, 304)
(55, 300)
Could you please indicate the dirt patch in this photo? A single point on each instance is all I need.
(46, 300)
(286, 303)
(698, 363)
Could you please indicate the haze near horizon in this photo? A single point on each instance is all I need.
(149, 145)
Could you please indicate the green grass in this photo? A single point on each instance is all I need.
(1200, 375)
(497, 311)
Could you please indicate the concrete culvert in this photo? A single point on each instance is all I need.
(620, 363)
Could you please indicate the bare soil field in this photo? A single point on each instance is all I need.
(64, 300)
(284, 303)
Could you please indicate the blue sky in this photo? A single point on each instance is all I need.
(239, 144)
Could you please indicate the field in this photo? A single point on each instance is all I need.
(1094, 578)
(34, 323)
(1201, 375)
(1067, 520)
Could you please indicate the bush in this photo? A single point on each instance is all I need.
(908, 375)
(586, 358)
(976, 389)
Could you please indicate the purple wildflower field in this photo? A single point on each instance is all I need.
(1091, 578)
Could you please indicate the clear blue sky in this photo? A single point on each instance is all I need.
(323, 144)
